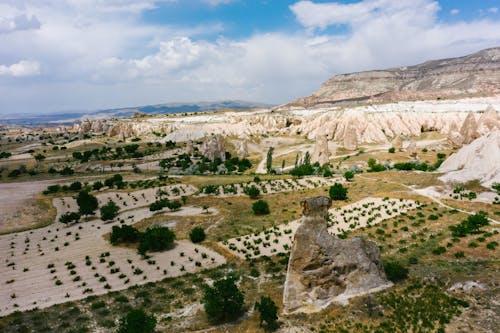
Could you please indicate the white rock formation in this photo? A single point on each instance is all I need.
(213, 148)
(479, 160)
(321, 153)
(351, 137)
(243, 149)
(469, 129)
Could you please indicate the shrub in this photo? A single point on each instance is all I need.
(69, 217)
(374, 166)
(197, 235)
(109, 211)
(253, 192)
(392, 150)
(224, 301)
(75, 186)
(125, 234)
(338, 192)
(439, 250)
(156, 239)
(268, 312)
(395, 271)
(349, 175)
(158, 205)
(87, 203)
(260, 207)
(137, 321)
(471, 225)
(97, 185)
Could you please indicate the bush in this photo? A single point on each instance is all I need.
(75, 186)
(374, 166)
(471, 225)
(260, 207)
(224, 301)
(349, 175)
(392, 150)
(338, 192)
(109, 211)
(395, 271)
(439, 250)
(197, 235)
(156, 239)
(137, 321)
(268, 312)
(124, 234)
(69, 217)
(253, 192)
(87, 203)
(97, 185)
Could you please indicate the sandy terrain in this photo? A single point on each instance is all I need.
(368, 211)
(35, 260)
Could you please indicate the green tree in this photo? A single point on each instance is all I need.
(392, 150)
(137, 321)
(268, 312)
(224, 301)
(269, 160)
(338, 192)
(260, 207)
(156, 239)
(87, 203)
(69, 217)
(124, 234)
(349, 175)
(197, 235)
(109, 211)
(253, 192)
(395, 271)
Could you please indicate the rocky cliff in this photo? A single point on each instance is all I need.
(323, 268)
(472, 74)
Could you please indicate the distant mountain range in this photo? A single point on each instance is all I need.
(478, 73)
(167, 108)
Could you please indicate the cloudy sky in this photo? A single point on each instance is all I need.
(60, 55)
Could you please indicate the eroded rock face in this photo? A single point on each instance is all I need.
(243, 149)
(412, 149)
(214, 148)
(469, 129)
(190, 147)
(321, 153)
(351, 137)
(397, 142)
(324, 268)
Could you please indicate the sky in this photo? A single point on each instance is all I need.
(80, 55)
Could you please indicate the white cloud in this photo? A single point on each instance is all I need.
(493, 10)
(22, 68)
(454, 11)
(18, 23)
(98, 54)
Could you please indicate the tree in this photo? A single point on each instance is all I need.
(269, 159)
(87, 203)
(156, 239)
(395, 271)
(253, 192)
(109, 211)
(268, 312)
(69, 217)
(197, 235)
(39, 157)
(124, 234)
(349, 175)
(392, 150)
(260, 207)
(224, 301)
(137, 321)
(338, 192)
(75, 186)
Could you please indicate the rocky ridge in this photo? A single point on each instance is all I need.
(475, 73)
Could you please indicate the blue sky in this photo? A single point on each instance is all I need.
(59, 55)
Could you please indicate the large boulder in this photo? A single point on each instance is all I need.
(324, 268)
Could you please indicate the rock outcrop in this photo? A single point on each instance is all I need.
(479, 72)
(397, 143)
(351, 137)
(321, 153)
(469, 129)
(323, 268)
(190, 147)
(412, 149)
(213, 148)
(479, 160)
(243, 149)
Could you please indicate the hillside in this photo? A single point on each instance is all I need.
(472, 74)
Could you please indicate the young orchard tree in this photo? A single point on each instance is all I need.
(87, 203)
